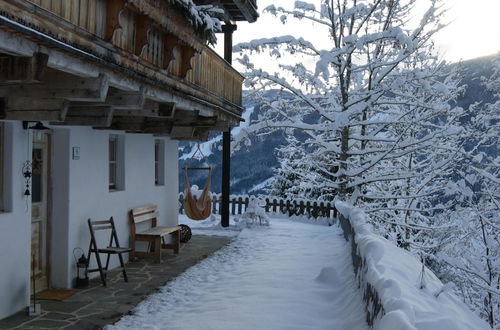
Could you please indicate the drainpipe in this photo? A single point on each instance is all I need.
(228, 30)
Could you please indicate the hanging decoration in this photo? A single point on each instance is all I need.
(200, 208)
(27, 174)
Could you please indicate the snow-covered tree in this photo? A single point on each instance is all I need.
(372, 103)
(472, 257)
(369, 110)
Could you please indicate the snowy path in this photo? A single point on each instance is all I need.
(288, 276)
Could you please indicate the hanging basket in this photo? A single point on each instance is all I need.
(185, 233)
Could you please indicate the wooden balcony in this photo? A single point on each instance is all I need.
(141, 47)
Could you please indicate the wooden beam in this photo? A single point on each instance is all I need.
(15, 69)
(167, 109)
(142, 125)
(15, 103)
(39, 115)
(89, 115)
(33, 109)
(125, 100)
(182, 133)
(149, 109)
(64, 86)
(198, 122)
(200, 134)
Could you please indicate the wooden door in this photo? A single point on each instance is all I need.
(39, 211)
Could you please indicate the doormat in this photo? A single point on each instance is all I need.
(55, 294)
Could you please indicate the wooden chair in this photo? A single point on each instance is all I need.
(112, 248)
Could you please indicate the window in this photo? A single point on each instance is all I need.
(116, 163)
(113, 147)
(159, 162)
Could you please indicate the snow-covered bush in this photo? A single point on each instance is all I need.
(254, 214)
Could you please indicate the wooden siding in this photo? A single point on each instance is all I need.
(83, 13)
(138, 35)
(153, 52)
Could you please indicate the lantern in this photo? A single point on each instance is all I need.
(82, 265)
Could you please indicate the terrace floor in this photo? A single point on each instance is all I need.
(97, 306)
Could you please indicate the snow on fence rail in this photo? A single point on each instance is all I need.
(399, 292)
(239, 204)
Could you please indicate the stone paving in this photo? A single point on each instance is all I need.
(97, 306)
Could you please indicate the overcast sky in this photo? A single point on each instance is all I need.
(474, 28)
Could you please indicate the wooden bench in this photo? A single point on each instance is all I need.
(154, 235)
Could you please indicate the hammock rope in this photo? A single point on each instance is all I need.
(201, 208)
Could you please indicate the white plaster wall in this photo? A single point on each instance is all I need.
(15, 225)
(79, 191)
(89, 196)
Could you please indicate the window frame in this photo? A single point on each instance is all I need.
(112, 163)
(118, 182)
(159, 162)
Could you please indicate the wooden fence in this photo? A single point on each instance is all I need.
(239, 204)
(373, 304)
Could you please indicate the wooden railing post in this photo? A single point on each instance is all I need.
(233, 205)
(240, 203)
(247, 201)
(181, 203)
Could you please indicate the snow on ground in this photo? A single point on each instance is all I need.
(290, 275)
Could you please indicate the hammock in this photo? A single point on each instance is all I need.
(197, 209)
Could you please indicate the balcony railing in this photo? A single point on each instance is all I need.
(162, 45)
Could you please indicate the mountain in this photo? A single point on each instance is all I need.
(252, 167)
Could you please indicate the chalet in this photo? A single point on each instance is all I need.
(94, 97)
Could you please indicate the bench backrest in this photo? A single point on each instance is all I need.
(144, 213)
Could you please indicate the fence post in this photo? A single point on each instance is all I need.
(181, 204)
(247, 201)
(322, 211)
(232, 201)
(240, 202)
(302, 207)
(214, 204)
(315, 210)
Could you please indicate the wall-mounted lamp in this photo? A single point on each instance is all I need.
(38, 125)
